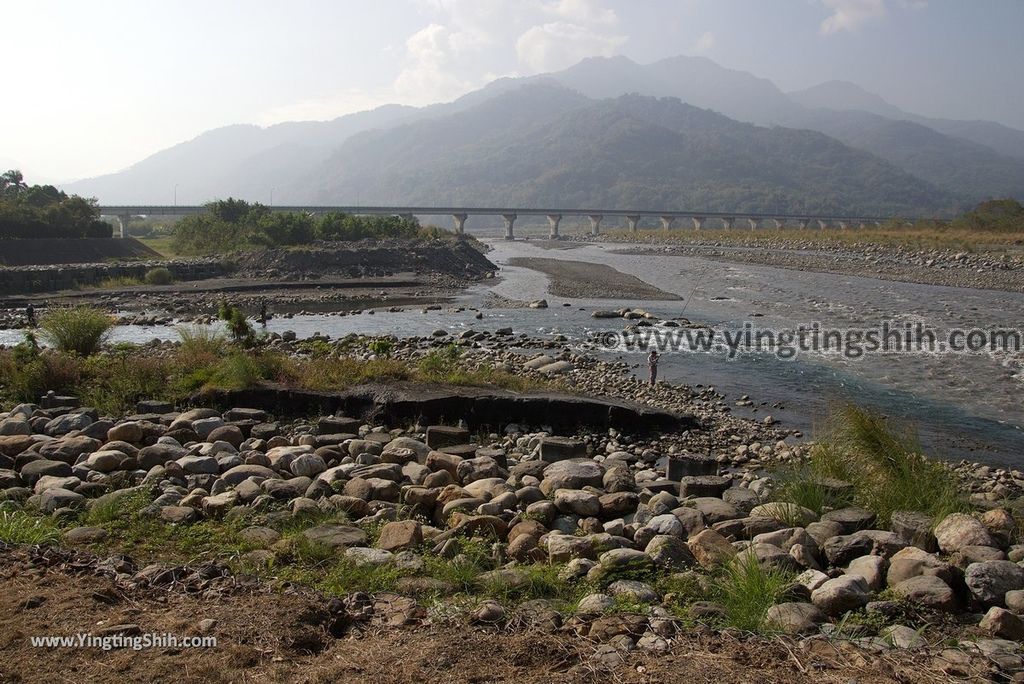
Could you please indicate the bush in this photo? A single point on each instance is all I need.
(79, 330)
(159, 276)
(238, 325)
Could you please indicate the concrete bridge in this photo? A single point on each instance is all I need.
(697, 219)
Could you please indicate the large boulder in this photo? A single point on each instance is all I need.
(56, 497)
(575, 474)
(336, 536)
(795, 618)
(400, 535)
(929, 591)
(711, 549)
(841, 595)
(959, 530)
(577, 502)
(68, 449)
(988, 582)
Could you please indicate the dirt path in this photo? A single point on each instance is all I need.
(584, 280)
(271, 634)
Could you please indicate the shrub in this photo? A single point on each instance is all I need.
(159, 276)
(80, 330)
(238, 325)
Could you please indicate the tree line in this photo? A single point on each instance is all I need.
(233, 224)
(43, 211)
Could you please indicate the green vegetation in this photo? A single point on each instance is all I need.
(747, 589)
(18, 527)
(79, 329)
(239, 328)
(114, 380)
(43, 211)
(235, 224)
(884, 464)
(158, 276)
(118, 282)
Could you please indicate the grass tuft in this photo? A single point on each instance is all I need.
(885, 465)
(18, 527)
(746, 590)
(79, 330)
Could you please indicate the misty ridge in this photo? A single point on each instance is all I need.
(680, 133)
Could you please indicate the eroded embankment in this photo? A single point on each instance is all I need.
(399, 403)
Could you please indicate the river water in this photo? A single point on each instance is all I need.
(963, 406)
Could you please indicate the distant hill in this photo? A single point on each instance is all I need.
(547, 145)
(958, 162)
(843, 95)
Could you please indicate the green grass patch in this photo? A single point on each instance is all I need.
(19, 527)
(886, 466)
(746, 590)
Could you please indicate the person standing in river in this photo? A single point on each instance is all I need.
(652, 364)
(30, 315)
(263, 313)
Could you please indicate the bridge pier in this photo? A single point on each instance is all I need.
(779, 223)
(843, 225)
(460, 223)
(632, 221)
(802, 223)
(553, 221)
(727, 223)
(510, 220)
(698, 222)
(822, 224)
(595, 223)
(122, 222)
(752, 222)
(666, 222)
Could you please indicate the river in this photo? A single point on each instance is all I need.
(964, 406)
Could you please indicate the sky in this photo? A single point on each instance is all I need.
(93, 87)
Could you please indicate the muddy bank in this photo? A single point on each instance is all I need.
(578, 279)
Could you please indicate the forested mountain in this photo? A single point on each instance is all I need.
(953, 163)
(549, 146)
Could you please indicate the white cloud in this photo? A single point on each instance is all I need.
(468, 43)
(549, 47)
(704, 43)
(582, 12)
(428, 75)
(850, 15)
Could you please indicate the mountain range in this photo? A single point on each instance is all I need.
(683, 132)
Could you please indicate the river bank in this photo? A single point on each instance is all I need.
(617, 547)
(983, 266)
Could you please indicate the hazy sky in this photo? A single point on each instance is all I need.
(92, 87)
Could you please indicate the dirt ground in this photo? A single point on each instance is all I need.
(281, 634)
(591, 281)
